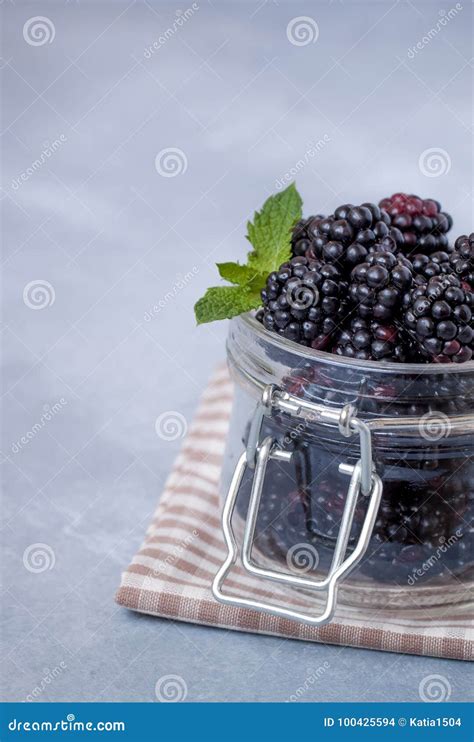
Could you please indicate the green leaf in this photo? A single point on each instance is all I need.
(243, 275)
(235, 273)
(223, 302)
(270, 235)
(270, 232)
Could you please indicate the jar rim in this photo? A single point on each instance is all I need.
(248, 318)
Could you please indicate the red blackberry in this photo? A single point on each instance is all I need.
(304, 301)
(462, 259)
(370, 341)
(421, 221)
(377, 286)
(346, 237)
(438, 317)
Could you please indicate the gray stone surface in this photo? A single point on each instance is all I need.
(111, 237)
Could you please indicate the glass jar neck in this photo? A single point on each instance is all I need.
(377, 389)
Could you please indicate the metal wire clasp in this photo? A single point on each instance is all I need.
(256, 456)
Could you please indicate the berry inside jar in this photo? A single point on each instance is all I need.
(369, 307)
(422, 545)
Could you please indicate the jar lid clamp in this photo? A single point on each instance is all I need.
(364, 480)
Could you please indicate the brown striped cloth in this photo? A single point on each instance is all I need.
(171, 574)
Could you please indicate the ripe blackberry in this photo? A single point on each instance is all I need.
(423, 224)
(346, 237)
(304, 301)
(462, 259)
(438, 317)
(460, 262)
(377, 286)
(303, 235)
(427, 266)
(370, 341)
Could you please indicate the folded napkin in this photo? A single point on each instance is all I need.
(171, 574)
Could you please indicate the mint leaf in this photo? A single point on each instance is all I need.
(235, 273)
(223, 302)
(270, 232)
(242, 275)
(270, 236)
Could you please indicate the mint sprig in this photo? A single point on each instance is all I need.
(222, 302)
(270, 237)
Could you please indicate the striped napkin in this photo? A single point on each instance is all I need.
(171, 574)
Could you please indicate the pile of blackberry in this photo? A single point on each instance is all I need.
(377, 283)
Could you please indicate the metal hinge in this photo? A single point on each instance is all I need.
(363, 480)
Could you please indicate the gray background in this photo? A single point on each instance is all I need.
(112, 237)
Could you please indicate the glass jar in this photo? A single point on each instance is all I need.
(353, 472)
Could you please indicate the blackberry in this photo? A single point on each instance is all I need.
(370, 341)
(346, 237)
(304, 301)
(427, 266)
(423, 224)
(303, 234)
(462, 259)
(378, 286)
(460, 262)
(438, 317)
